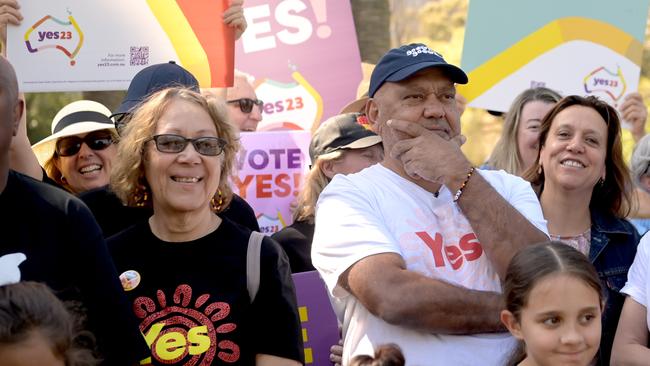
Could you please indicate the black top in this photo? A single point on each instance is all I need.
(296, 240)
(192, 300)
(113, 217)
(50, 236)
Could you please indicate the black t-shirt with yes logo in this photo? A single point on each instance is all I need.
(192, 301)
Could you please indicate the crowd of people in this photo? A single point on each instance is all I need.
(125, 243)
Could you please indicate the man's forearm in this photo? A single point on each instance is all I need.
(500, 228)
(409, 299)
(451, 310)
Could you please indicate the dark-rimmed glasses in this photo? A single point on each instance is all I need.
(120, 120)
(209, 146)
(246, 104)
(70, 145)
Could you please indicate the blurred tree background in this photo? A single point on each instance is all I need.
(381, 24)
(42, 107)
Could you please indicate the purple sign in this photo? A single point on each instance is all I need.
(304, 56)
(270, 168)
(319, 324)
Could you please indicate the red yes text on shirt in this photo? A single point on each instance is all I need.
(468, 248)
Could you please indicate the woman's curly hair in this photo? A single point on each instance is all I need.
(128, 174)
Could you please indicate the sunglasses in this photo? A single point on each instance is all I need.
(209, 146)
(120, 120)
(70, 145)
(246, 104)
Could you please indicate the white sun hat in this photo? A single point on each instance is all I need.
(76, 118)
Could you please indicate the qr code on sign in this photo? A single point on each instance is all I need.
(139, 56)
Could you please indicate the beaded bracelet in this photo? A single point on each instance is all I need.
(462, 186)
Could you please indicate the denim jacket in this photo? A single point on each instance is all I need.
(612, 250)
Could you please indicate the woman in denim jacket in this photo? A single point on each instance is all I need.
(585, 192)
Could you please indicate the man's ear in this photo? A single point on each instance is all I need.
(372, 113)
(327, 167)
(19, 110)
(510, 321)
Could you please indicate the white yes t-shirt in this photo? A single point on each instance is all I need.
(638, 281)
(377, 211)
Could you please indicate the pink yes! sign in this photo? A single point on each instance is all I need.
(305, 59)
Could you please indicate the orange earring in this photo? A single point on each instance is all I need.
(216, 202)
(141, 196)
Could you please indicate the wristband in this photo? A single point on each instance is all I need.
(459, 192)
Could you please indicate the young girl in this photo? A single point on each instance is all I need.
(37, 329)
(553, 303)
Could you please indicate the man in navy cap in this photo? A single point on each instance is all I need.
(412, 250)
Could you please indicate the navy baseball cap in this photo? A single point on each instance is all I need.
(400, 63)
(154, 78)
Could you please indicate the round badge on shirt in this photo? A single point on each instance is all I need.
(130, 279)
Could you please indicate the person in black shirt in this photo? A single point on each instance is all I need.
(50, 236)
(340, 145)
(185, 269)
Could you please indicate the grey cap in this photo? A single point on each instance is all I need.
(339, 133)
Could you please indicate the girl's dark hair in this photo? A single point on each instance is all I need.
(615, 194)
(30, 308)
(386, 355)
(536, 262)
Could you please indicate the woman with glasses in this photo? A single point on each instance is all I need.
(584, 189)
(79, 153)
(185, 269)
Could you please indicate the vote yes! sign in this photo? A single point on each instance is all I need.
(271, 167)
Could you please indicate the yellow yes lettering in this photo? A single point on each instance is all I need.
(173, 344)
